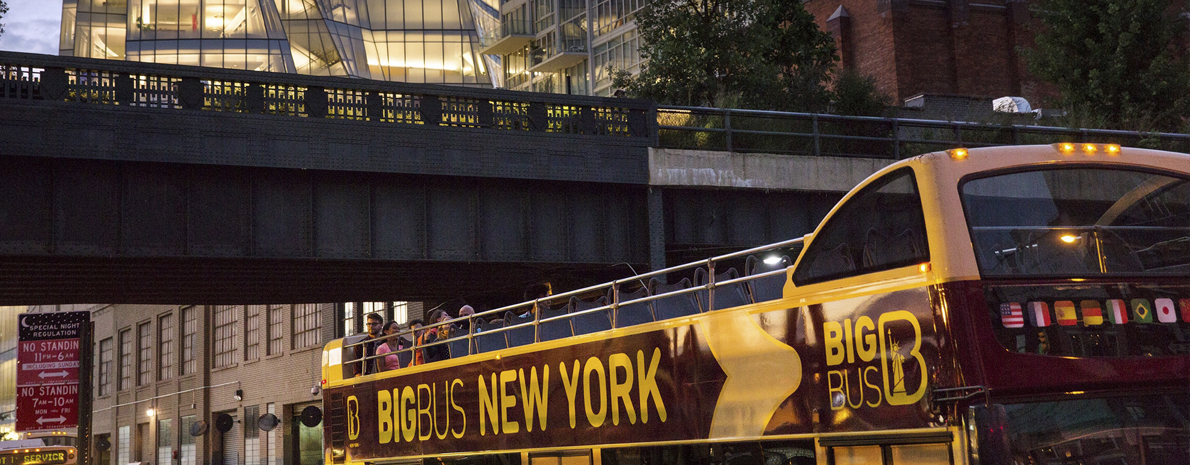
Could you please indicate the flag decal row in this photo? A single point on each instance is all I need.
(1039, 314)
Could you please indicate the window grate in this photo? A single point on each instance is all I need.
(88, 86)
(346, 104)
(20, 82)
(155, 91)
(225, 96)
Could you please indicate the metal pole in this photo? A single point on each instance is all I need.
(817, 138)
(84, 406)
(727, 127)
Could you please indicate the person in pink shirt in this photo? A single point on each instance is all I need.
(392, 344)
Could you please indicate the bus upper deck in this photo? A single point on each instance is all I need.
(955, 307)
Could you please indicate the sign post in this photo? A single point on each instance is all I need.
(50, 365)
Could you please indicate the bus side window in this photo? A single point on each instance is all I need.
(880, 228)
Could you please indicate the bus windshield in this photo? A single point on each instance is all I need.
(1079, 222)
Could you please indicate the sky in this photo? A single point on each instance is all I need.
(31, 26)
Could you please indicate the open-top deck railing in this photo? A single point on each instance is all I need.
(26, 76)
(814, 134)
(776, 258)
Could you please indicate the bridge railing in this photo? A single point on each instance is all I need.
(730, 130)
(172, 87)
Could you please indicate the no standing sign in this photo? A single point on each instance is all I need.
(48, 369)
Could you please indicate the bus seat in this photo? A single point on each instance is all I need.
(769, 287)
(489, 342)
(731, 295)
(522, 330)
(833, 262)
(593, 322)
(556, 329)
(351, 355)
(673, 306)
(405, 357)
(459, 347)
(882, 249)
(633, 313)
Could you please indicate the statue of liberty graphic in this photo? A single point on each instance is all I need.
(898, 364)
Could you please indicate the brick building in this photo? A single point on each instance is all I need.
(159, 369)
(963, 48)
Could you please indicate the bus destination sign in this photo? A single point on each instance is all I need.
(38, 456)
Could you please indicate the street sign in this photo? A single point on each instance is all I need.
(46, 362)
(48, 370)
(48, 407)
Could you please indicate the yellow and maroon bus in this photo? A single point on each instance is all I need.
(993, 306)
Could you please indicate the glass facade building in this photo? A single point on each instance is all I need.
(417, 41)
(565, 46)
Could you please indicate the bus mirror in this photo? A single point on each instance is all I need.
(988, 429)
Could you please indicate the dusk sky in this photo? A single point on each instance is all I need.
(31, 26)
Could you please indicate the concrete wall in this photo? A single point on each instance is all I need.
(701, 168)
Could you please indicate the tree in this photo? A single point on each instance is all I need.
(1121, 62)
(3, 9)
(856, 95)
(763, 54)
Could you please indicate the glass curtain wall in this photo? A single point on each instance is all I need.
(418, 41)
(431, 41)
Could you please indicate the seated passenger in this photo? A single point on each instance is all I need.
(390, 360)
(534, 292)
(463, 324)
(367, 346)
(439, 352)
(418, 335)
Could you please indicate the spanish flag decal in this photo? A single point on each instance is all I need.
(1066, 313)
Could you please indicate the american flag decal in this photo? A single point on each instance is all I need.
(1011, 315)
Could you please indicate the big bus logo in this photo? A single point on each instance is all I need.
(877, 362)
(352, 418)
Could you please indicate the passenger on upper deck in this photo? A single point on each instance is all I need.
(438, 333)
(416, 326)
(534, 292)
(463, 323)
(391, 346)
(367, 346)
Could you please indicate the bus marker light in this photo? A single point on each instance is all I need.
(1112, 149)
(957, 154)
(1089, 149)
(1066, 148)
(924, 267)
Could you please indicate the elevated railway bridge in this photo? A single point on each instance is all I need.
(145, 183)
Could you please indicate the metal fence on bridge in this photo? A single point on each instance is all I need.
(869, 137)
(146, 85)
(105, 82)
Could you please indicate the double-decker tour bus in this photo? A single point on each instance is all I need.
(1009, 305)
